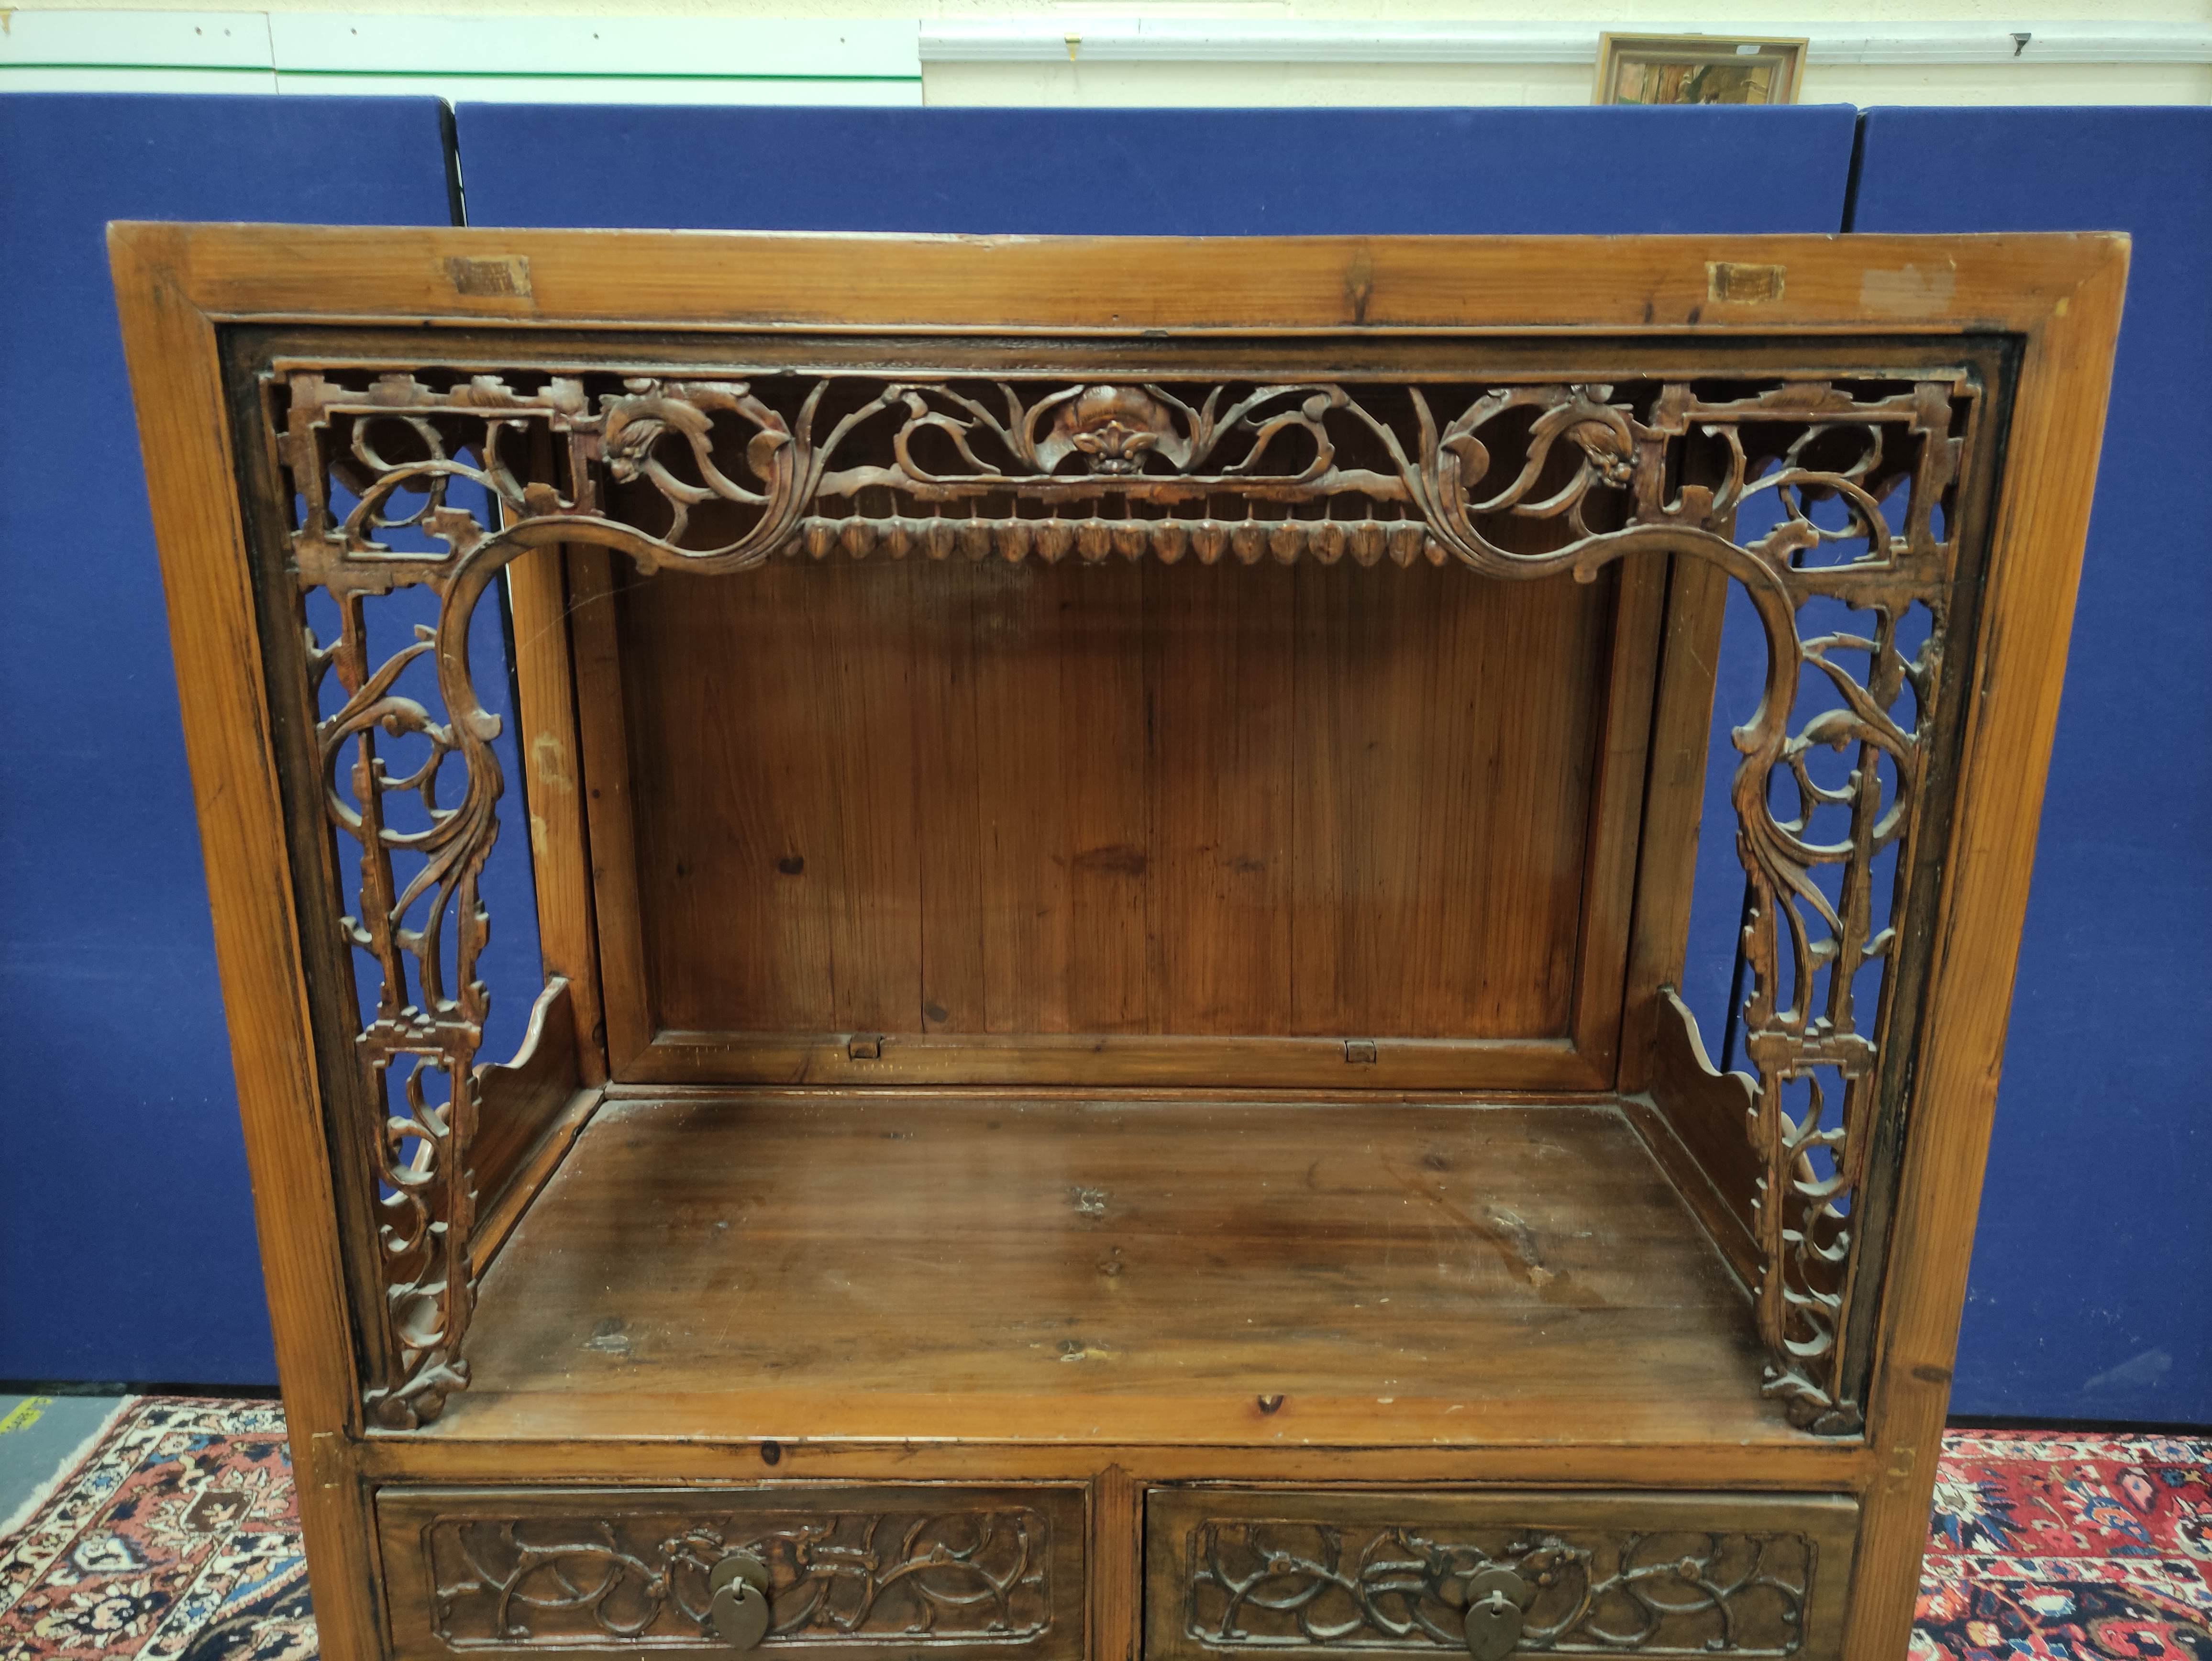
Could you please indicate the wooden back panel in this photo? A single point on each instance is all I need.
(1116, 821)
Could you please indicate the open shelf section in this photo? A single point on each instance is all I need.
(806, 1265)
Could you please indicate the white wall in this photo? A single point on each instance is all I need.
(1097, 51)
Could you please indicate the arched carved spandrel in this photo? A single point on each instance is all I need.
(1824, 498)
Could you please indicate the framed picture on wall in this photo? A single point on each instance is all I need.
(1696, 69)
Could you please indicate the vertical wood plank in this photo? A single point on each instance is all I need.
(735, 859)
(1116, 1563)
(1444, 762)
(1548, 663)
(1025, 914)
(1617, 808)
(1103, 721)
(1470, 781)
(1321, 840)
(860, 637)
(947, 718)
(552, 759)
(626, 988)
(1218, 653)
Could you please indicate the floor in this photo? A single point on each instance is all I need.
(40, 1437)
(163, 1529)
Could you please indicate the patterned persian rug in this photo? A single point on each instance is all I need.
(2071, 1547)
(176, 1538)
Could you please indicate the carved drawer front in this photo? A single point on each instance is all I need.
(845, 1571)
(1494, 1574)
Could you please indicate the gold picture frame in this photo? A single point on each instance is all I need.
(1697, 69)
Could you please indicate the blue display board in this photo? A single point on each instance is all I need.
(1156, 172)
(2091, 1296)
(126, 1227)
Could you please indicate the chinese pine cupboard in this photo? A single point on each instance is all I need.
(1113, 826)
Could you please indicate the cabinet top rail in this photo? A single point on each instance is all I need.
(1641, 284)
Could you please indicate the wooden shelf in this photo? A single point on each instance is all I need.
(826, 1265)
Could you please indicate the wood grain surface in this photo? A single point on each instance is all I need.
(985, 799)
(872, 1265)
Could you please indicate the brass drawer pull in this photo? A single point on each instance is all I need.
(1493, 1614)
(739, 1611)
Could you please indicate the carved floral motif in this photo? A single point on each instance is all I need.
(905, 1580)
(1294, 1584)
(1819, 497)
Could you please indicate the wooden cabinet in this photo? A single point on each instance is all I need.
(1112, 826)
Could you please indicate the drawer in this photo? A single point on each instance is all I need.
(1343, 1573)
(852, 1570)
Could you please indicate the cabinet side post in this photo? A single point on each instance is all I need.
(177, 389)
(2027, 614)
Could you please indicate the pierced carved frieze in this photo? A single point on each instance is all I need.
(1293, 1584)
(1830, 501)
(905, 1580)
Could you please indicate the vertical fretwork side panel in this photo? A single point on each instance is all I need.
(374, 627)
(1830, 499)
(1872, 527)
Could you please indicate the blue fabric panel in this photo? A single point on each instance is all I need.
(1131, 172)
(126, 1236)
(2092, 1289)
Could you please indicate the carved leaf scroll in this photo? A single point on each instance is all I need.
(1294, 1584)
(1824, 499)
(905, 1580)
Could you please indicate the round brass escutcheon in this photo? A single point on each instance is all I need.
(739, 1611)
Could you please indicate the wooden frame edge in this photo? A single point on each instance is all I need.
(177, 391)
(2027, 614)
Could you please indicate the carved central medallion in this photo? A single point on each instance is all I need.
(1115, 428)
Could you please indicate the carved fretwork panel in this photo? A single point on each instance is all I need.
(851, 1570)
(1832, 501)
(1645, 1574)
(1279, 1586)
